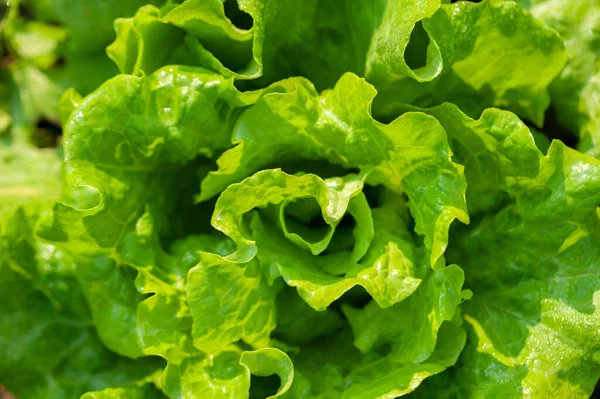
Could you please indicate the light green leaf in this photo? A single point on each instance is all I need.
(493, 148)
(521, 57)
(226, 374)
(116, 169)
(139, 46)
(197, 31)
(269, 361)
(229, 302)
(319, 40)
(589, 134)
(322, 45)
(121, 159)
(573, 91)
(389, 56)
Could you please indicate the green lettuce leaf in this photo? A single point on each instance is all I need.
(226, 374)
(414, 52)
(520, 54)
(127, 146)
(390, 58)
(193, 29)
(48, 344)
(327, 39)
(589, 136)
(229, 303)
(573, 91)
(555, 304)
(115, 165)
(110, 176)
(324, 44)
(533, 313)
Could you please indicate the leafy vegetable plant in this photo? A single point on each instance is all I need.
(299, 199)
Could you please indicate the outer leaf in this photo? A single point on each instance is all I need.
(589, 133)
(388, 57)
(123, 145)
(554, 304)
(47, 344)
(116, 146)
(314, 39)
(319, 40)
(470, 35)
(110, 291)
(533, 314)
(195, 30)
(573, 92)
(162, 319)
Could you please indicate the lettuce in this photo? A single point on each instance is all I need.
(574, 90)
(279, 199)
